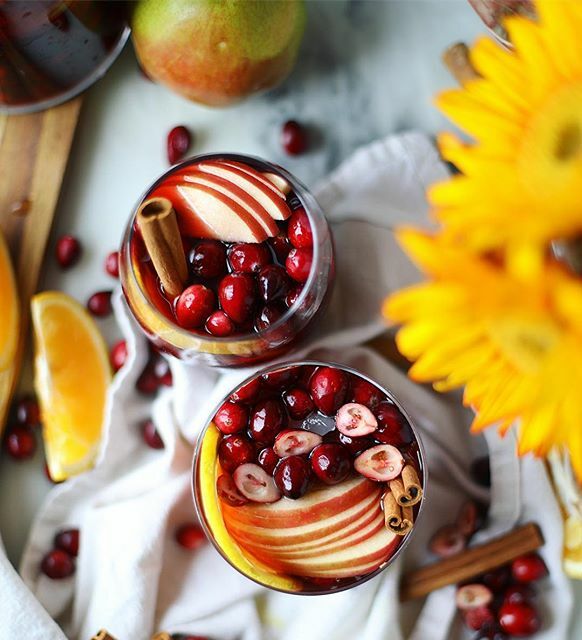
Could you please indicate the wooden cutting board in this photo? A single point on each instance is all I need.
(34, 150)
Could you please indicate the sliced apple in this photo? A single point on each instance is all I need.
(279, 182)
(258, 175)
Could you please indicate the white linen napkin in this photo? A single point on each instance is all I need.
(133, 579)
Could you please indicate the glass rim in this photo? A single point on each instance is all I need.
(318, 363)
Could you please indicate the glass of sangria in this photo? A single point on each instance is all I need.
(309, 478)
(226, 260)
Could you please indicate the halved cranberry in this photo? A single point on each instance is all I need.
(248, 393)
(190, 536)
(295, 442)
(208, 259)
(118, 355)
(228, 492)
(528, 568)
(281, 246)
(472, 596)
(248, 257)
(150, 435)
(519, 593)
(27, 411)
(112, 264)
(255, 484)
(68, 541)
(57, 564)
(354, 445)
(274, 283)
(468, 520)
(328, 387)
(497, 579)
(67, 251)
(331, 463)
(364, 392)
(447, 542)
(381, 463)
(194, 305)
(267, 316)
(268, 459)
(237, 294)
(298, 264)
(355, 420)
(148, 382)
(292, 476)
(291, 297)
(231, 417)
(299, 403)
(294, 138)
(162, 370)
(178, 143)
(99, 304)
(299, 230)
(267, 419)
(20, 442)
(219, 324)
(235, 450)
(478, 617)
(392, 427)
(519, 619)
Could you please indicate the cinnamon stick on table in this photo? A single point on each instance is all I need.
(159, 228)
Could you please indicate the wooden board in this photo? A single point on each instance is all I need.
(34, 150)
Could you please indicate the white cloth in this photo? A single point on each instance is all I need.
(133, 579)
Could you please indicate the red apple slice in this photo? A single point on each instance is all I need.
(295, 442)
(189, 223)
(258, 175)
(279, 181)
(381, 463)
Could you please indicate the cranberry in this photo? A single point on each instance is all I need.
(392, 428)
(68, 541)
(235, 450)
(294, 138)
(469, 519)
(227, 491)
(112, 264)
(208, 259)
(178, 143)
(219, 324)
(148, 382)
(248, 257)
(274, 283)
(267, 317)
(237, 295)
(480, 471)
(267, 419)
(280, 378)
(292, 476)
(381, 463)
(299, 230)
(28, 412)
(519, 593)
(299, 403)
(118, 355)
(296, 442)
(68, 251)
(355, 420)
(150, 435)
(490, 632)
(473, 595)
(194, 305)
(255, 484)
(298, 264)
(231, 417)
(249, 392)
(447, 542)
(20, 442)
(268, 459)
(162, 371)
(190, 536)
(281, 246)
(57, 564)
(291, 297)
(528, 568)
(354, 445)
(328, 387)
(364, 392)
(497, 579)
(478, 617)
(99, 304)
(519, 619)
(331, 463)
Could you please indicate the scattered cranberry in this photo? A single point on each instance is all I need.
(248, 258)
(20, 442)
(490, 632)
(478, 618)
(255, 484)
(235, 450)
(99, 304)
(291, 297)
(178, 143)
(294, 138)
(298, 264)
(267, 419)
(68, 541)
(331, 463)
(190, 536)
(267, 317)
(481, 472)
(162, 371)
(274, 283)
(281, 247)
(328, 387)
(248, 393)
(469, 519)
(57, 564)
(447, 542)
(366, 393)
(299, 230)
(392, 428)
(497, 579)
(28, 412)
(194, 305)
(516, 593)
(299, 403)
(118, 355)
(112, 264)
(528, 568)
(519, 619)
(268, 459)
(228, 492)
(237, 295)
(292, 476)
(68, 251)
(231, 417)
(471, 596)
(219, 324)
(208, 259)
(148, 382)
(150, 435)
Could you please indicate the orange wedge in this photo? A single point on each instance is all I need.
(72, 375)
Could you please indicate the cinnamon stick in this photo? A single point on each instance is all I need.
(159, 228)
(406, 488)
(457, 60)
(397, 520)
(471, 562)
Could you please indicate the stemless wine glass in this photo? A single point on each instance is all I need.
(332, 533)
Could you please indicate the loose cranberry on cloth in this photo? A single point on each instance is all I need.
(134, 579)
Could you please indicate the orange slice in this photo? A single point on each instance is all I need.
(72, 375)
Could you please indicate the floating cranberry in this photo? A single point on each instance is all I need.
(331, 463)
(190, 536)
(118, 355)
(194, 305)
(99, 304)
(298, 264)
(228, 492)
(68, 251)
(474, 595)
(237, 294)
(208, 259)
(150, 435)
(519, 593)
(299, 230)
(248, 257)
(178, 143)
(380, 463)
(267, 419)
(112, 264)
(267, 317)
(268, 459)
(57, 564)
(280, 377)
(292, 476)
(20, 442)
(519, 619)
(478, 618)
(447, 542)
(294, 138)
(497, 579)
(295, 442)
(235, 450)
(231, 417)
(392, 427)
(274, 283)
(328, 387)
(299, 403)
(148, 382)
(366, 393)
(27, 412)
(354, 445)
(68, 541)
(355, 420)
(255, 484)
(291, 297)
(219, 324)
(281, 247)
(469, 519)
(248, 393)
(480, 471)
(528, 568)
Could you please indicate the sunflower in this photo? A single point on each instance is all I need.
(516, 346)
(521, 177)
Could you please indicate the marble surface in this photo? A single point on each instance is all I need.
(366, 69)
